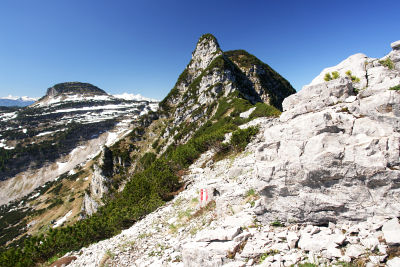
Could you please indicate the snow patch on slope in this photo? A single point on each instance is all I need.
(137, 97)
(62, 220)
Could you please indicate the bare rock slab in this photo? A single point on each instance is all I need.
(391, 232)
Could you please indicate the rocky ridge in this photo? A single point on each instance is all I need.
(320, 184)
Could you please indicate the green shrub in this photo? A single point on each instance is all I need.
(264, 110)
(277, 223)
(395, 88)
(387, 63)
(335, 75)
(250, 192)
(327, 77)
(353, 78)
(145, 161)
(242, 137)
(155, 144)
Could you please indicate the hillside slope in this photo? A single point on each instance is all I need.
(144, 168)
(48, 151)
(49, 130)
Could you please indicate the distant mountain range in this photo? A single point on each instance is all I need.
(16, 101)
(23, 101)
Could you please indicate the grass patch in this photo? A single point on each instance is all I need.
(387, 63)
(267, 254)
(264, 110)
(209, 207)
(239, 140)
(395, 88)
(277, 223)
(308, 264)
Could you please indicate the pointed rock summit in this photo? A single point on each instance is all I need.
(207, 49)
(212, 72)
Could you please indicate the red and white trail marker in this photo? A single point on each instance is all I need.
(203, 195)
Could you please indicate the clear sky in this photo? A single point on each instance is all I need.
(142, 46)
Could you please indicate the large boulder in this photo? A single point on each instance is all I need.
(333, 155)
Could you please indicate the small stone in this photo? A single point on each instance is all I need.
(350, 99)
(345, 258)
(332, 252)
(278, 257)
(382, 248)
(218, 234)
(293, 258)
(370, 243)
(354, 251)
(282, 235)
(292, 239)
(338, 239)
(315, 230)
(377, 259)
(395, 262)
(391, 232)
(354, 229)
(353, 239)
(280, 246)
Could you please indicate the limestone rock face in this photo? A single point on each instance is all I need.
(329, 160)
(97, 189)
(206, 51)
(334, 155)
(317, 97)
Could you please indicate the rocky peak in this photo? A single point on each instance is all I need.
(395, 45)
(207, 49)
(71, 88)
(213, 77)
(212, 72)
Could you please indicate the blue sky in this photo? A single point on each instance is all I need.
(143, 46)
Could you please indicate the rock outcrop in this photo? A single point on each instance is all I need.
(97, 189)
(335, 156)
